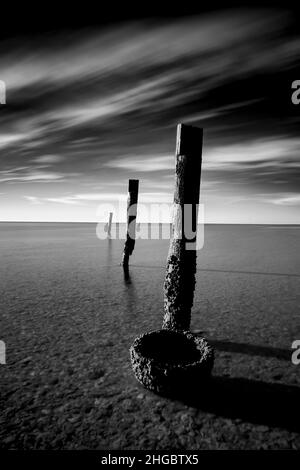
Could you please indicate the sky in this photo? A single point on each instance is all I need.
(89, 107)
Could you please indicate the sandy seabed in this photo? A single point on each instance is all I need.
(69, 316)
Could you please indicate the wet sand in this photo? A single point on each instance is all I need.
(69, 316)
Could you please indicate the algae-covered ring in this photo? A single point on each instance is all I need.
(163, 360)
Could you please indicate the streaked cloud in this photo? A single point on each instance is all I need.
(9, 139)
(144, 197)
(26, 174)
(143, 164)
(48, 159)
(92, 109)
(287, 200)
(33, 199)
(262, 152)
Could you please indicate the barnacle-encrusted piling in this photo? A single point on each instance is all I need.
(133, 189)
(181, 263)
(165, 359)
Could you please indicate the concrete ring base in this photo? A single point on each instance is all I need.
(165, 360)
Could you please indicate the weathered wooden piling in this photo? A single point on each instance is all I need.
(133, 189)
(181, 263)
(167, 359)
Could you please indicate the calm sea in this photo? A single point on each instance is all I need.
(247, 278)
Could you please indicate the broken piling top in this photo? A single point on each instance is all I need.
(188, 161)
(133, 190)
(181, 263)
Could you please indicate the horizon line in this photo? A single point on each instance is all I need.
(169, 223)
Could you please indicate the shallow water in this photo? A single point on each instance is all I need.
(69, 314)
(242, 270)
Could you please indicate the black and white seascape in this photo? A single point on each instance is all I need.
(149, 232)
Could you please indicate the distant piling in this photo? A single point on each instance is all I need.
(180, 281)
(109, 224)
(133, 189)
